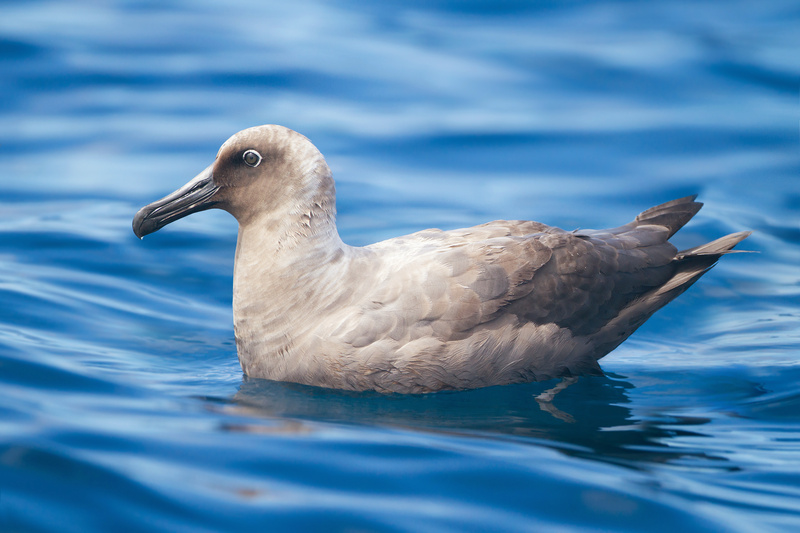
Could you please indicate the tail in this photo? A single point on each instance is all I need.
(695, 262)
(689, 265)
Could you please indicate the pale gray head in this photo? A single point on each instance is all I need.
(262, 172)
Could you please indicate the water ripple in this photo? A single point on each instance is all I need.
(122, 402)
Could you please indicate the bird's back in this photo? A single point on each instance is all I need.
(510, 301)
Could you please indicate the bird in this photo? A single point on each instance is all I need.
(508, 301)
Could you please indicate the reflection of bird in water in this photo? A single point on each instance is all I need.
(545, 399)
(604, 424)
(504, 302)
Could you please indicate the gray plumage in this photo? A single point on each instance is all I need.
(503, 302)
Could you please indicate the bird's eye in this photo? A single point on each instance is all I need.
(251, 158)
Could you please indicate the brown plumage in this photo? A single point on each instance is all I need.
(503, 302)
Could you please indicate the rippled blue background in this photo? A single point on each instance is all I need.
(122, 405)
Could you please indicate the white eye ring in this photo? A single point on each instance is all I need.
(251, 158)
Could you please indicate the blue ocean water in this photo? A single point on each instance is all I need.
(122, 404)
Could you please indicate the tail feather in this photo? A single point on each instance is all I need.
(719, 247)
(690, 265)
(695, 262)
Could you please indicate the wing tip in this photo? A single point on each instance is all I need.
(672, 215)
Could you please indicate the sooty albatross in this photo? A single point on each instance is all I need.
(503, 302)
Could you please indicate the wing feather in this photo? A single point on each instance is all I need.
(450, 283)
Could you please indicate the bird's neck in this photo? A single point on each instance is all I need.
(284, 266)
(280, 250)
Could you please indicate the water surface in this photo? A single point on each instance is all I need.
(122, 404)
